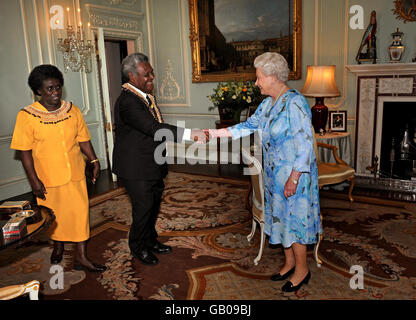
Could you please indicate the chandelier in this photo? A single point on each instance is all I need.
(76, 49)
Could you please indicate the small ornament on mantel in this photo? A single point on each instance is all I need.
(396, 49)
(368, 51)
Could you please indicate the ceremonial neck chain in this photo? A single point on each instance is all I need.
(154, 110)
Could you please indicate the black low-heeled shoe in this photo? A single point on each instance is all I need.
(279, 277)
(289, 287)
(97, 267)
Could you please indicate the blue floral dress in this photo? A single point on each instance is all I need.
(287, 140)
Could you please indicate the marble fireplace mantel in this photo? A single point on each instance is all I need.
(376, 84)
(382, 69)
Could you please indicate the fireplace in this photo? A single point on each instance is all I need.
(398, 141)
(386, 103)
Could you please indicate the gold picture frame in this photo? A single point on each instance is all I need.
(240, 54)
(405, 10)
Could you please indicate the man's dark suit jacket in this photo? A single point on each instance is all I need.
(134, 145)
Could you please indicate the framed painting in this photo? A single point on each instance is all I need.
(338, 121)
(227, 35)
(405, 10)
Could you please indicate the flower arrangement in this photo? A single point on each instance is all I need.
(232, 97)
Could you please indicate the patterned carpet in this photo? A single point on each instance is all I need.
(206, 222)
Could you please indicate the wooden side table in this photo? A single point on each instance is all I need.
(44, 217)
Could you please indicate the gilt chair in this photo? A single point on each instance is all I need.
(257, 206)
(332, 173)
(14, 291)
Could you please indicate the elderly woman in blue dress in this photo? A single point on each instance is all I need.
(290, 169)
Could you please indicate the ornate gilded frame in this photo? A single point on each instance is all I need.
(198, 76)
(404, 10)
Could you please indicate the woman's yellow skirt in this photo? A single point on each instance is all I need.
(71, 208)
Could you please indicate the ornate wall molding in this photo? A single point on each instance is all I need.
(122, 2)
(395, 85)
(170, 89)
(366, 112)
(111, 18)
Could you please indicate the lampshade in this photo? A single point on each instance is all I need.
(320, 82)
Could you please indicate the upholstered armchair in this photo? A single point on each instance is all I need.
(332, 173)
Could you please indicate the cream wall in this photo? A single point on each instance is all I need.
(160, 28)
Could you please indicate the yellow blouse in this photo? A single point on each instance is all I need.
(53, 138)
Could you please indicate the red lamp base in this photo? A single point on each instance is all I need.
(319, 115)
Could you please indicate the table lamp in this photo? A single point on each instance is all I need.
(320, 83)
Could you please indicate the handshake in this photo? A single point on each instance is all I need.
(204, 135)
(200, 136)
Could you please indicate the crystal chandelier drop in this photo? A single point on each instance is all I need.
(76, 50)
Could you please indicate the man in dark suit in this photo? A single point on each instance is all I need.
(137, 121)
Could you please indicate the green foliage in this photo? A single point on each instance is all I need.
(235, 96)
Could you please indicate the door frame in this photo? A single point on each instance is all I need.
(101, 34)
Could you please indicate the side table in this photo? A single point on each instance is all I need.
(342, 140)
(44, 218)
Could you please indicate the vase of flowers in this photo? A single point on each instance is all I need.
(232, 97)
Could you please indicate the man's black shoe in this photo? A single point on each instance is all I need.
(161, 248)
(147, 257)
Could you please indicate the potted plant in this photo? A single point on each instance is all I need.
(232, 97)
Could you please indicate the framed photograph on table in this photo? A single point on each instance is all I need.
(338, 121)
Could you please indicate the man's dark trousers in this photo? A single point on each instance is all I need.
(146, 197)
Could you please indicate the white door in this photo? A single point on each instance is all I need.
(106, 97)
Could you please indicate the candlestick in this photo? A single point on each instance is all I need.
(89, 37)
(79, 15)
(69, 20)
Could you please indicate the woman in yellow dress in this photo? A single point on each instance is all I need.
(52, 137)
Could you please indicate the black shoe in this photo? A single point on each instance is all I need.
(161, 248)
(56, 257)
(289, 287)
(279, 277)
(96, 267)
(147, 257)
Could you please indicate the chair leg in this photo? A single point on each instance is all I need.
(262, 238)
(318, 261)
(33, 288)
(351, 180)
(253, 230)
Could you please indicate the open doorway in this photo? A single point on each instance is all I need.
(115, 52)
(111, 52)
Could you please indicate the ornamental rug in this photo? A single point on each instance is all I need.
(206, 222)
